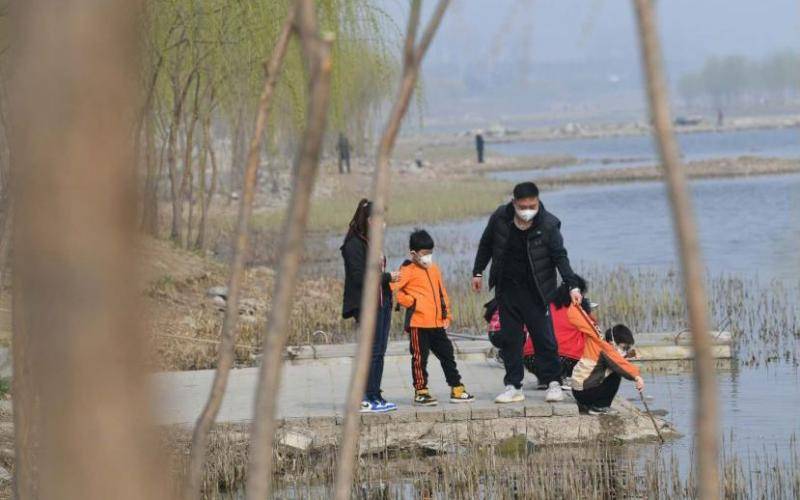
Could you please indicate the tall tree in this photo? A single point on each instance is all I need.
(80, 398)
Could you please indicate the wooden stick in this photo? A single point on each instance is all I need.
(317, 51)
(652, 418)
(706, 415)
(413, 55)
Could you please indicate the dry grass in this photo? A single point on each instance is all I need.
(512, 469)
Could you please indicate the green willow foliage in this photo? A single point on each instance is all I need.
(223, 43)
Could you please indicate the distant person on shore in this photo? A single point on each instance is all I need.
(479, 145)
(343, 148)
(524, 244)
(420, 289)
(354, 252)
(720, 118)
(598, 373)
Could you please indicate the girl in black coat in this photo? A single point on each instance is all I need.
(354, 252)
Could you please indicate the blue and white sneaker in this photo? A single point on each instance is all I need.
(372, 406)
(386, 405)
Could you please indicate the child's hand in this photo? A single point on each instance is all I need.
(395, 276)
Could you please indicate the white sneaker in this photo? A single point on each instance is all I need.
(510, 395)
(554, 393)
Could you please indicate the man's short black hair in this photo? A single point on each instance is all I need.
(620, 334)
(420, 240)
(525, 190)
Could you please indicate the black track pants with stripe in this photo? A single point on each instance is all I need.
(424, 341)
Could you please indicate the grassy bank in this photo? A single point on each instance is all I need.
(411, 202)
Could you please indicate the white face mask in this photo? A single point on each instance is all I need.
(527, 215)
(426, 260)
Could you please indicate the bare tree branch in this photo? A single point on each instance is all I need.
(380, 194)
(706, 416)
(317, 52)
(226, 349)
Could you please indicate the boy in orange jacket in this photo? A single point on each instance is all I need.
(421, 291)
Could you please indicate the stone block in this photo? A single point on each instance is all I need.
(403, 416)
(507, 411)
(457, 415)
(484, 413)
(295, 440)
(568, 409)
(374, 418)
(430, 416)
(538, 410)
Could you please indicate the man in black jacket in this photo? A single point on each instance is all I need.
(523, 241)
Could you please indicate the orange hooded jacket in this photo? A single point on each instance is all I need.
(421, 291)
(599, 357)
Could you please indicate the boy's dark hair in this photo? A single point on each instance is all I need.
(620, 334)
(525, 190)
(420, 240)
(562, 296)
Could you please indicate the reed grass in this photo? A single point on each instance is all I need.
(504, 471)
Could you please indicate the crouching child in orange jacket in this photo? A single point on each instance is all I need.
(421, 291)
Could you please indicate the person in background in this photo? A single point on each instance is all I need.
(598, 373)
(343, 148)
(421, 291)
(524, 244)
(479, 145)
(354, 252)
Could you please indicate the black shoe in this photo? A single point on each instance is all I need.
(602, 410)
(423, 397)
(583, 409)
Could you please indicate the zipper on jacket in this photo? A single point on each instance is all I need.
(433, 291)
(533, 270)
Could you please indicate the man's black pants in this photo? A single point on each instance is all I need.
(422, 342)
(600, 396)
(520, 306)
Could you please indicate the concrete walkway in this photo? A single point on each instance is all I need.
(316, 388)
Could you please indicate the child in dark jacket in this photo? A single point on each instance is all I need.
(421, 291)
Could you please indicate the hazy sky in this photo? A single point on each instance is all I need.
(577, 30)
(573, 48)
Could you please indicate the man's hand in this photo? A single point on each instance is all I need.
(395, 276)
(639, 383)
(477, 283)
(576, 296)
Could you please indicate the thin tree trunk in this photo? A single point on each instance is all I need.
(188, 154)
(172, 146)
(201, 231)
(317, 52)
(201, 183)
(706, 416)
(413, 55)
(226, 348)
(80, 390)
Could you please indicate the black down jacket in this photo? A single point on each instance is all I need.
(546, 252)
(354, 253)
